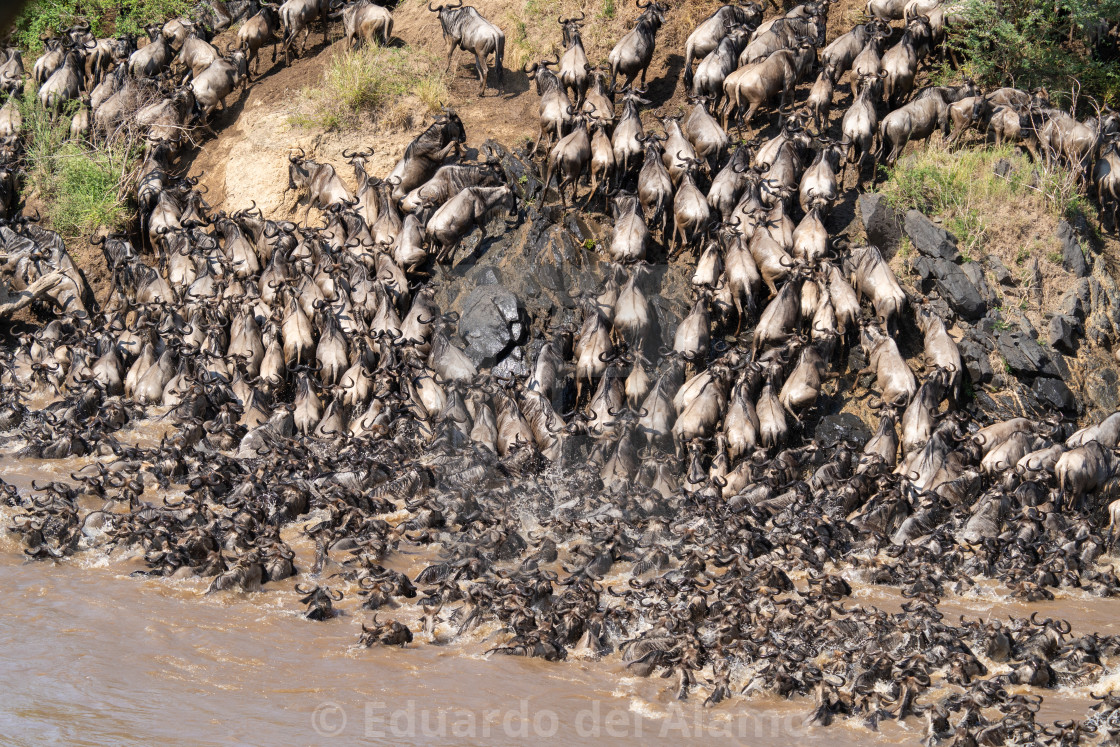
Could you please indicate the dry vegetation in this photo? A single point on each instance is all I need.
(80, 187)
(1013, 217)
(388, 86)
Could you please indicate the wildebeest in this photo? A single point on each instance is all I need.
(52, 58)
(152, 59)
(296, 17)
(11, 73)
(918, 119)
(258, 31)
(466, 29)
(64, 84)
(554, 105)
(167, 119)
(366, 22)
(574, 68)
(218, 80)
(754, 85)
(427, 152)
(459, 215)
(634, 51)
(449, 181)
(322, 184)
(1106, 177)
(706, 37)
(717, 65)
(569, 157)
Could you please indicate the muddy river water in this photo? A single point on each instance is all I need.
(94, 655)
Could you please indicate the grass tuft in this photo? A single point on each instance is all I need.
(1013, 217)
(382, 83)
(81, 187)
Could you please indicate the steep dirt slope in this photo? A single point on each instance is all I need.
(247, 161)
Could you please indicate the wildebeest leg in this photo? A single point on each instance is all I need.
(480, 66)
(749, 116)
(896, 151)
(540, 136)
(450, 53)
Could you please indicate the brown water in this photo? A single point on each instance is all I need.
(94, 656)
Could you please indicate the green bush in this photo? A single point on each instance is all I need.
(1037, 43)
(43, 17)
(80, 187)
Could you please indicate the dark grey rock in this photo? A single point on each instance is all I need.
(1024, 356)
(923, 267)
(1102, 389)
(930, 239)
(976, 360)
(1060, 334)
(989, 327)
(1034, 280)
(513, 364)
(832, 429)
(1018, 319)
(880, 222)
(1002, 167)
(1054, 393)
(958, 291)
(1000, 272)
(1075, 301)
(1073, 258)
(490, 323)
(486, 276)
(975, 273)
(857, 359)
(520, 175)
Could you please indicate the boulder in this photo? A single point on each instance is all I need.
(1000, 272)
(1060, 334)
(844, 426)
(1102, 389)
(958, 291)
(1075, 301)
(490, 323)
(929, 238)
(1073, 258)
(880, 222)
(1024, 356)
(520, 174)
(976, 360)
(976, 274)
(1054, 393)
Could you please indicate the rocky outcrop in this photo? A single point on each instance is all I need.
(880, 223)
(929, 238)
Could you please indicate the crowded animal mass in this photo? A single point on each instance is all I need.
(708, 496)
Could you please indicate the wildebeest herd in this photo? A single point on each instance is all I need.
(672, 505)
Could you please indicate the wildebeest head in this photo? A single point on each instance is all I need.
(653, 13)
(570, 28)
(297, 173)
(453, 126)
